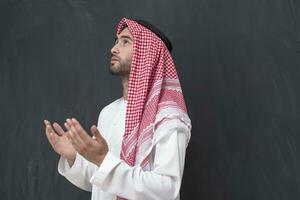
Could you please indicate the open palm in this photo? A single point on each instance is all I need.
(59, 141)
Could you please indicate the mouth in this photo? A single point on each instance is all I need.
(114, 58)
(112, 62)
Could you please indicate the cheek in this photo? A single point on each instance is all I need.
(130, 53)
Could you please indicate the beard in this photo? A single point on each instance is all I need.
(120, 67)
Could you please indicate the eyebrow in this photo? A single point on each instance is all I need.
(124, 36)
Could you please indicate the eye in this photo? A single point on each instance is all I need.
(125, 41)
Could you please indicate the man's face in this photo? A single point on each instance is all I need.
(122, 54)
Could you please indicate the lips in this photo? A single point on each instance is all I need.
(114, 58)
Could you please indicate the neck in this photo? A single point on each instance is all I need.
(124, 80)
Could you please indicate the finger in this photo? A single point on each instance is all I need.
(77, 135)
(48, 130)
(49, 127)
(67, 126)
(69, 136)
(48, 133)
(68, 130)
(51, 136)
(54, 137)
(46, 122)
(96, 133)
(80, 131)
(76, 140)
(58, 129)
(69, 122)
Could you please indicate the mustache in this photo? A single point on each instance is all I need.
(115, 57)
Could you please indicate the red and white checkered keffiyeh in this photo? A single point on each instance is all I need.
(154, 94)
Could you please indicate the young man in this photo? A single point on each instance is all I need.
(138, 150)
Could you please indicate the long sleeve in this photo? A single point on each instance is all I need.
(80, 172)
(162, 182)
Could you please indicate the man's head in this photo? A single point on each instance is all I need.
(122, 53)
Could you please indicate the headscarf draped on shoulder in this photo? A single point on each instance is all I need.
(154, 91)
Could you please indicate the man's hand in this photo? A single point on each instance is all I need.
(93, 149)
(59, 141)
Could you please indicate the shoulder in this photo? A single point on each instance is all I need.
(109, 108)
(168, 126)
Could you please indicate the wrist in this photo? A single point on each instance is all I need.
(71, 162)
(100, 159)
(71, 159)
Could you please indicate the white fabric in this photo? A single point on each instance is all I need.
(115, 177)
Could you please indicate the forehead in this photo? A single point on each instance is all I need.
(125, 32)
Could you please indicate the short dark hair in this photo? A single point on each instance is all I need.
(157, 32)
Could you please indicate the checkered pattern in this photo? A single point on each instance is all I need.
(154, 94)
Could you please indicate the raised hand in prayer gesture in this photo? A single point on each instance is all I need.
(60, 143)
(93, 149)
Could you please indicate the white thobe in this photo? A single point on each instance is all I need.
(114, 177)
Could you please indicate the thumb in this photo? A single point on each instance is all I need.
(97, 135)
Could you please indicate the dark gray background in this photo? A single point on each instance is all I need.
(238, 63)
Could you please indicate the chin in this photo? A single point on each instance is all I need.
(113, 70)
(114, 67)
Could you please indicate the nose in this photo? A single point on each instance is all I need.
(114, 49)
